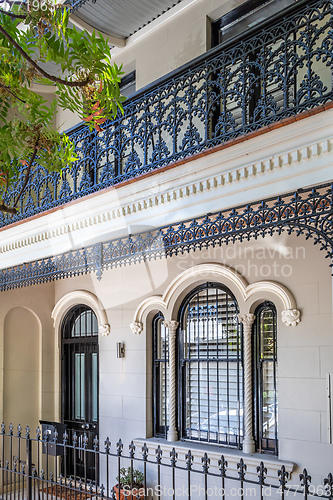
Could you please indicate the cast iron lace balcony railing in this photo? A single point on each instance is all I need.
(281, 68)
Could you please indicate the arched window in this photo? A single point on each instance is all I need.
(265, 378)
(160, 376)
(210, 366)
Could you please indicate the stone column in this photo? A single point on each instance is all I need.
(172, 406)
(248, 441)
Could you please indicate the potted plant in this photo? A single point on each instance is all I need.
(130, 484)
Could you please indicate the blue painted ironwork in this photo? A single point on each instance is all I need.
(274, 72)
(307, 212)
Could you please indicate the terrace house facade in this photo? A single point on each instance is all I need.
(174, 286)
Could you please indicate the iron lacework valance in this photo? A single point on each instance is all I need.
(274, 71)
(307, 212)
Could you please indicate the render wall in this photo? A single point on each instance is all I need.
(27, 356)
(304, 352)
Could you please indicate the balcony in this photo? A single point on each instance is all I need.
(271, 73)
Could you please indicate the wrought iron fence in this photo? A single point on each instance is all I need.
(280, 69)
(37, 468)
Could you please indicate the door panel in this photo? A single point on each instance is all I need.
(80, 389)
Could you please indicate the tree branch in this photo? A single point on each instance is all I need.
(27, 175)
(11, 92)
(8, 210)
(12, 210)
(55, 79)
(11, 14)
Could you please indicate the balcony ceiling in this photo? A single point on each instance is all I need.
(119, 18)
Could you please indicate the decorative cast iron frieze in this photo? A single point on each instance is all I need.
(279, 70)
(307, 212)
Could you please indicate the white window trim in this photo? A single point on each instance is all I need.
(58, 314)
(248, 297)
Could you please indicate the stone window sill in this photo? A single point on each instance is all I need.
(214, 452)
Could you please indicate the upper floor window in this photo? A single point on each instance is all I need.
(243, 17)
(265, 378)
(211, 368)
(127, 84)
(247, 90)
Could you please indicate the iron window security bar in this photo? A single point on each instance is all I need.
(46, 477)
(307, 212)
(210, 380)
(280, 69)
(210, 352)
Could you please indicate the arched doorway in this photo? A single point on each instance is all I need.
(79, 386)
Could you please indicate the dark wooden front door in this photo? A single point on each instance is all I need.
(80, 389)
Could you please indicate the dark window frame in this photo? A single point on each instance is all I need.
(79, 340)
(248, 9)
(235, 23)
(127, 80)
(67, 340)
(237, 442)
(264, 445)
(159, 429)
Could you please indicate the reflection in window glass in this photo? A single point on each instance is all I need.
(85, 325)
(79, 386)
(267, 414)
(94, 395)
(161, 376)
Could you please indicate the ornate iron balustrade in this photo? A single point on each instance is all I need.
(307, 212)
(90, 472)
(281, 69)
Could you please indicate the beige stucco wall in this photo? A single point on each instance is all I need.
(305, 352)
(27, 355)
(165, 44)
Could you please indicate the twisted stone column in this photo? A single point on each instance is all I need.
(248, 441)
(172, 405)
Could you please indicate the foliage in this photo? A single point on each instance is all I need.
(125, 478)
(86, 83)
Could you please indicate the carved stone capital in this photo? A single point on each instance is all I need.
(247, 319)
(171, 326)
(104, 329)
(291, 317)
(136, 327)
